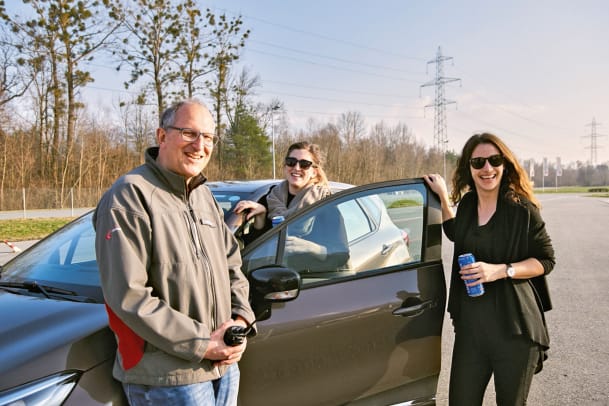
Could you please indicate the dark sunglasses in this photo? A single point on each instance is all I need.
(478, 163)
(304, 164)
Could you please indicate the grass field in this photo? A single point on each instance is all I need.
(574, 189)
(600, 191)
(30, 229)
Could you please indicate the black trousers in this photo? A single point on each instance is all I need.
(481, 349)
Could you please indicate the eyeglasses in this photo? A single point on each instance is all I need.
(304, 164)
(190, 135)
(478, 163)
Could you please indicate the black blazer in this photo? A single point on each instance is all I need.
(521, 234)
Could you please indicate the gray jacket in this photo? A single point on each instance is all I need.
(170, 272)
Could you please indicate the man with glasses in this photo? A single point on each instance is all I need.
(171, 271)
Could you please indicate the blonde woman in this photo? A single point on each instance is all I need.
(305, 183)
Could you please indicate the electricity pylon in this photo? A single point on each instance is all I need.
(439, 104)
(593, 136)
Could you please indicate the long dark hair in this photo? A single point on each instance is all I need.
(515, 182)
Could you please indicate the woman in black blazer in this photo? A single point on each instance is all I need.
(503, 332)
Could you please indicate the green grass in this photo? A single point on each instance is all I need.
(30, 229)
(575, 189)
(403, 203)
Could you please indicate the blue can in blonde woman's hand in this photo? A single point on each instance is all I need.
(472, 291)
(277, 220)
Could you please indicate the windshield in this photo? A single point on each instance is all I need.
(228, 200)
(66, 257)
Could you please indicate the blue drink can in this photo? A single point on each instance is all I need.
(277, 220)
(472, 291)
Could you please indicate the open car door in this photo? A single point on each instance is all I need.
(366, 324)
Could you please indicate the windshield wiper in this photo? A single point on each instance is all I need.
(50, 292)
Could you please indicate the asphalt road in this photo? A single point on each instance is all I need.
(30, 214)
(577, 371)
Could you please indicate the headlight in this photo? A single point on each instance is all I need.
(48, 391)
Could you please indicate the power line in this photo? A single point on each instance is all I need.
(330, 89)
(324, 37)
(493, 127)
(339, 100)
(501, 108)
(331, 114)
(327, 65)
(357, 63)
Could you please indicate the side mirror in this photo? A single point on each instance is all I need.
(275, 284)
(272, 284)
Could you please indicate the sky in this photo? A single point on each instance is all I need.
(536, 73)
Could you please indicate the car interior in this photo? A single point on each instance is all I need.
(358, 234)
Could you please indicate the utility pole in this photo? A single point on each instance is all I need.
(274, 107)
(593, 136)
(439, 104)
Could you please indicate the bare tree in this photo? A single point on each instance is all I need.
(351, 126)
(13, 80)
(149, 44)
(193, 49)
(138, 125)
(226, 41)
(61, 35)
(240, 93)
(68, 33)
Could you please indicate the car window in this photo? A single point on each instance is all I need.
(405, 207)
(264, 255)
(373, 207)
(316, 244)
(227, 201)
(77, 250)
(357, 224)
(68, 257)
(349, 236)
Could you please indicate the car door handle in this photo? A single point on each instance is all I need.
(413, 311)
(385, 249)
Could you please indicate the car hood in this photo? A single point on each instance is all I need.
(34, 328)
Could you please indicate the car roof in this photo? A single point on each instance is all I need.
(240, 185)
(252, 185)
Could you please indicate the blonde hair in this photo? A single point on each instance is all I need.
(318, 159)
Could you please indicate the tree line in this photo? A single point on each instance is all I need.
(54, 142)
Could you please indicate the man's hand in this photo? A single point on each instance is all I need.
(218, 351)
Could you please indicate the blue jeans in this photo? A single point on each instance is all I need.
(220, 392)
